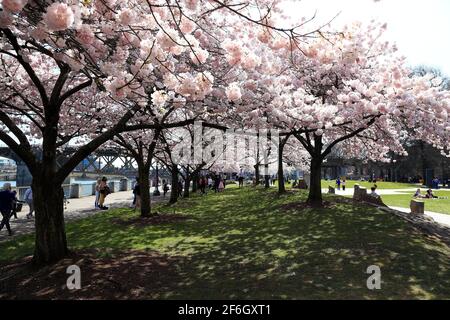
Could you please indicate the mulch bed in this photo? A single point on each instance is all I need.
(129, 274)
(153, 220)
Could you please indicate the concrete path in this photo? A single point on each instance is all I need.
(349, 191)
(76, 209)
(441, 218)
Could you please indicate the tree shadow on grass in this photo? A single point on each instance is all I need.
(250, 244)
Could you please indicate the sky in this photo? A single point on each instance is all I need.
(420, 28)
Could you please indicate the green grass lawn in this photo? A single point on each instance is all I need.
(368, 185)
(251, 243)
(434, 205)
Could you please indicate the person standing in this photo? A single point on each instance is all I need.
(137, 195)
(28, 198)
(104, 191)
(7, 199)
(180, 188)
(97, 192)
(343, 184)
(203, 183)
(338, 183)
(221, 186)
(210, 182)
(165, 188)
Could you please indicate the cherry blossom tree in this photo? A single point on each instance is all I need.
(81, 72)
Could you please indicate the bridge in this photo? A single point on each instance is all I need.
(101, 162)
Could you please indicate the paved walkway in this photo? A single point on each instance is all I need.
(441, 218)
(76, 209)
(349, 191)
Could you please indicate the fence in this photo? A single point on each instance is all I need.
(78, 190)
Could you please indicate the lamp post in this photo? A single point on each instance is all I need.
(156, 192)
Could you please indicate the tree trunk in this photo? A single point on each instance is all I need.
(195, 182)
(315, 188)
(144, 184)
(257, 178)
(174, 192)
(50, 239)
(281, 186)
(187, 183)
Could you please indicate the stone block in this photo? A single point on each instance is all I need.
(417, 207)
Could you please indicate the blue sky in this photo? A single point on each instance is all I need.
(421, 29)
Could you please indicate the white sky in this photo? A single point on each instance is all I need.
(420, 28)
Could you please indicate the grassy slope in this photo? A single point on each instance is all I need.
(245, 244)
(434, 205)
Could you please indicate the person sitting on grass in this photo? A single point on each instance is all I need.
(430, 194)
(418, 194)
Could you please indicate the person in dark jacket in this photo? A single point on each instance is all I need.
(7, 201)
(137, 195)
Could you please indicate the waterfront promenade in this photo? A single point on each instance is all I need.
(76, 209)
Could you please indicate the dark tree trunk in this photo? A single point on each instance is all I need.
(315, 187)
(144, 184)
(424, 161)
(187, 183)
(281, 186)
(195, 182)
(174, 192)
(257, 177)
(50, 239)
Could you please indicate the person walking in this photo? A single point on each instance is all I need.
(203, 183)
(104, 191)
(180, 188)
(14, 206)
(343, 184)
(241, 181)
(165, 188)
(221, 186)
(338, 183)
(28, 198)
(217, 181)
(97, 192)
(7, 199)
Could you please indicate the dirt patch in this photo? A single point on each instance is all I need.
(126, 275)
(153, 220)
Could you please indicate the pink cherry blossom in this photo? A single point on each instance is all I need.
(85, 35)
(59, 16)
(14, 5)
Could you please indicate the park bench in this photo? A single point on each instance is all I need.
(331, 190)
